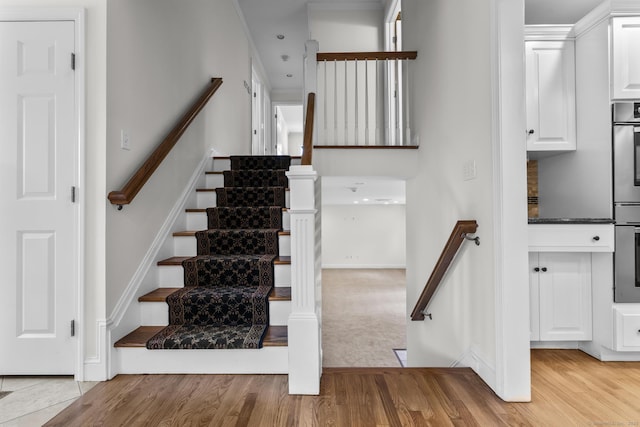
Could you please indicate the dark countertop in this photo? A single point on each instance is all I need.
(572, 221)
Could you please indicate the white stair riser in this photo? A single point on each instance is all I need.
(157, 313)
(287, 199)
(279, 312)
(214, 180)
(282, 275)
(205, 199)
(172, 276)
(196, 221)
(267, 360)
(187, 246)
(284, 245)
(220, 165)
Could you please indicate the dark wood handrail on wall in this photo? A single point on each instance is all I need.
(448, 253)
(307, 144)
(142, 175)
(362, 56)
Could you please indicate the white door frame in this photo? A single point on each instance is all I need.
(77, 16)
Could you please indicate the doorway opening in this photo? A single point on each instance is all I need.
(288, 128)
(363, 273)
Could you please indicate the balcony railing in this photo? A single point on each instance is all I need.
(362, 98)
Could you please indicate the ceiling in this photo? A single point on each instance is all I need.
(266, 19)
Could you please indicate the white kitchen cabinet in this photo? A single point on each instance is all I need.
(550, 95)
(560, 290)
(625, 63)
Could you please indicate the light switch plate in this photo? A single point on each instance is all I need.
(125, 141)
(469, 172)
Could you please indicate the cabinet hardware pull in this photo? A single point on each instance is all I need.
(596, 238)
(531, 131)
(536, 269)
(544, 269)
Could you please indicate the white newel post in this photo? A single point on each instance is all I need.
(305, 348)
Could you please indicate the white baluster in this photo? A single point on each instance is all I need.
(335, 101)
(366, 102)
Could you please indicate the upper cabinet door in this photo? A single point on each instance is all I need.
(625, 82)
(551, 94)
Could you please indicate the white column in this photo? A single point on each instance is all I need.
(305, 351)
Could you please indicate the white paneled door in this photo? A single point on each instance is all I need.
(39, 217)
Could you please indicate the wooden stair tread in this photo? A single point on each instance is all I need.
(157, 295)
(177, 260)
(205, 189)
(276, 336)
(194, 210)
(192, 233)
(213, 173)
(280, 293)
(174, 260)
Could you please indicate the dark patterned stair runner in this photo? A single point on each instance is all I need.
(224, 303)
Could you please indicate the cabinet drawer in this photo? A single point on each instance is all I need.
(571, 238)
(627, 328)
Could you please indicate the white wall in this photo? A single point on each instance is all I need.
(346, 28)
(161, 55)
(95, 163)
(452, 70)
(295, 140)
(578, 184)
(363, 236)
(470, 53)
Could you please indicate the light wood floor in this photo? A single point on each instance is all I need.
(569, 389)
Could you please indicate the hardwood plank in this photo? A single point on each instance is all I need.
(282, 260)
(174, 260)
(157, 295)
(280, 293)
(370, 396)
(139, 337)
(276, 336)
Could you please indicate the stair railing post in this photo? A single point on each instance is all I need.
(304, 325)
(310, 75)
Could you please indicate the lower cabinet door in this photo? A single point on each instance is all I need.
(565, 296)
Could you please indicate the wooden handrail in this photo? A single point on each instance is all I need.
(142, 175)
(448, 253)
(353, 56)
(307, 144)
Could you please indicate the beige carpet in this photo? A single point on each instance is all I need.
(363, 317)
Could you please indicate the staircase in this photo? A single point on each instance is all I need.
(221, 213)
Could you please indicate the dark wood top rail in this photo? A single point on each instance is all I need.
(448, 253)
(352, 56)
(142, 175)
(307, 144)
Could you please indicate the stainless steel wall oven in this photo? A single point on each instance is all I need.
(626, 200)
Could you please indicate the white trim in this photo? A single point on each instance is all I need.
(512, 373)
(126, 311)
(255, 57)
(78, 16)
(95, 368)
(367, 266)
(548, 32)
(471, 359)
(346, 5)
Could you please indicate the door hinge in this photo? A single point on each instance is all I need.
(73, 194)
(73, 328)
(73, 61)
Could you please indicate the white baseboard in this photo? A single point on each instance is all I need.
(95, 368)
(472, 359)
(364, 266)
(566, 345)
(126, 316)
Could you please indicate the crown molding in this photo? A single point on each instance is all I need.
(548, 32)
(604, 11)
(349, 5)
